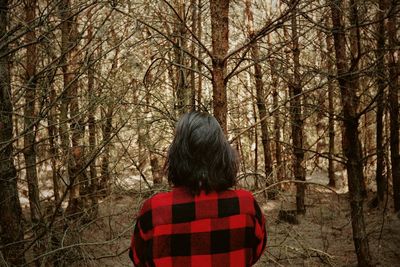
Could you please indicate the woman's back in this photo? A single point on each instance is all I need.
(215, 229)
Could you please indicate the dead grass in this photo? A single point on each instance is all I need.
(322, 237)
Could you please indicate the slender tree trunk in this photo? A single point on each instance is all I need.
(350, 140)
(297, 120)
(200, 54)
(354, 79)
(195, 10)
(29, 116)
(220, 45)
(92, 124)
(30, 128)
(331, 114)
(381, 84)
(182, 88)
(12, 232)
(105, 181)
(277, 122)
(393, 101)
(66, 46)
(52, 133)
(260, 97)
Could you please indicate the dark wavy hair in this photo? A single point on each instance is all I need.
(200, 157)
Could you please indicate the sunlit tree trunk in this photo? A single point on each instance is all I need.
(295, 88)
(350, 139)
(220, 45)
(12, 232)
(393, 101)
(260, 97)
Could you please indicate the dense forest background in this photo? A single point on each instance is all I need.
(306, 91)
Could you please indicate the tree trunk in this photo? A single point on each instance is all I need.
(354, 79)
(331, 115)
(199, 55)
(350, 140)
(52, 133)
(105, 181)
(92, 124)
(182, 88)
(30, 128)
(220, 45)
(12, 232)
(260, 97)
(381, 84)
(29, 116)
(65, 97)
(277, 122)
(393, 101)
(296, 117)
(195, 10)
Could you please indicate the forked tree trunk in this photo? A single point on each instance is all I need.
(220, 45)
(350, 140)
(260, 97)
(12, 232)
(393, 100)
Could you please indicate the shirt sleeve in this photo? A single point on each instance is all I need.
(136, 252)
(260, 232)
(139, 238)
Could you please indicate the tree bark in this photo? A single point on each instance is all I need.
(182, 87)
(220, 45)
(92, 124)
(29, 115)
(260, 97)
(30, 128)
(381, 84)
(393, 101)
(350, 139)
(199, 55)
(104, 183)
(12, 232)
(66, 45)
(295, 88)
(331, 116)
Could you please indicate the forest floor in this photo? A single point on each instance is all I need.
(321, 237)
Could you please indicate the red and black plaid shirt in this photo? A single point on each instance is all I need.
(177, 229)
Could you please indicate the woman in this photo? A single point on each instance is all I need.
(201, 222)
